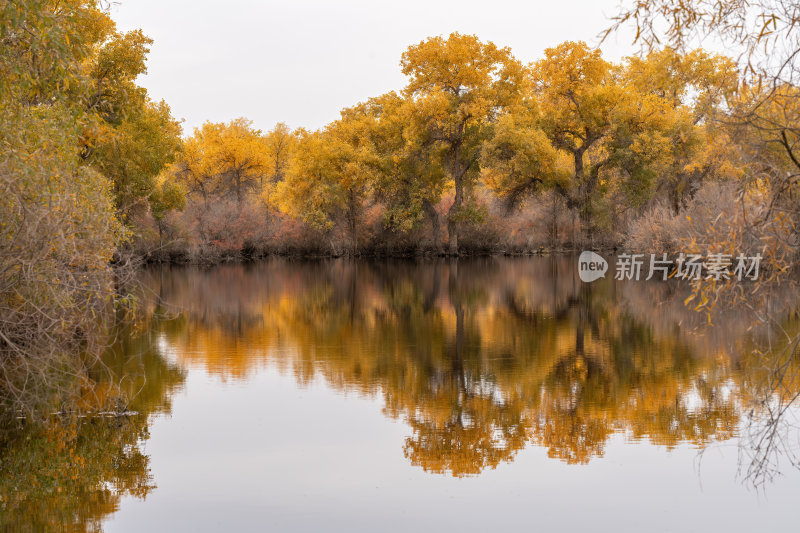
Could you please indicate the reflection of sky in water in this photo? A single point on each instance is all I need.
(491, 393)
(293, 436)
(267, 455)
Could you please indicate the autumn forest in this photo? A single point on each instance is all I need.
(479, 152)
(111, 209)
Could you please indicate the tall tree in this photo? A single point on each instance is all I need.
(58, 231)
(581, 104)
(134, 152)
(459, 85)
(698, 86)
(129, 138)
(764, 37)
(407, 174)
(224, 159)
(602, 134)
(279, 142)
(332, 172)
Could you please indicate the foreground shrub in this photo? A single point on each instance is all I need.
(57, 236)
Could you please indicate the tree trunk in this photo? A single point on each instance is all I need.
(452, 231)
(354, 235)
(583, 193)
(352, 220)
(238, 186)
(455, 209)
(585, 189)
(554, 220)
(436, 225)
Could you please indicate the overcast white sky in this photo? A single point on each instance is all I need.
(300, 62)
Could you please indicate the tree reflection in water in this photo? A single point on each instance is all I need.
(71, 473)
(479, 357)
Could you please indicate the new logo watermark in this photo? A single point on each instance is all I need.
(718, 267)
(591, 266)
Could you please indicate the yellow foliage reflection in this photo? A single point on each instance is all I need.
(70, 473)
(479, 357)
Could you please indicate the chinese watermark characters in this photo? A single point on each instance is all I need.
(691, 267)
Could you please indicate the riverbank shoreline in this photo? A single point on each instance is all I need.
(215, 257)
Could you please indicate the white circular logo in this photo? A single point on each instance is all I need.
(591, 266)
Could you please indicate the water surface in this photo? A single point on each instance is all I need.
(461, 395)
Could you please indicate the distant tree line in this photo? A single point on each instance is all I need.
(473, 145)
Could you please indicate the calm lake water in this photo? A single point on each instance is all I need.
(466, 395)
